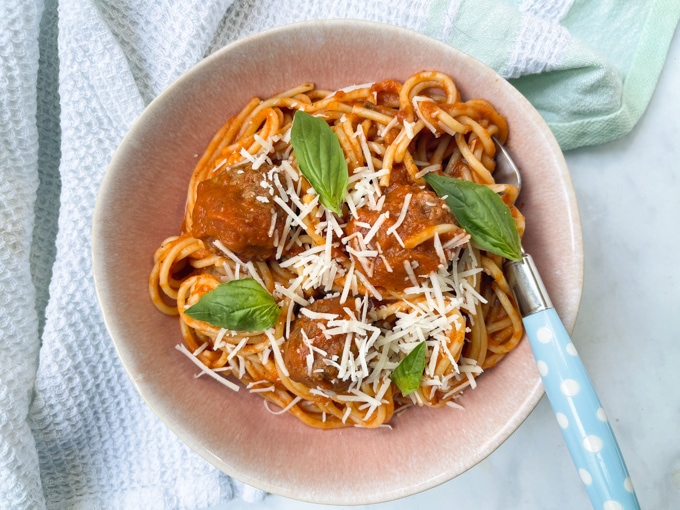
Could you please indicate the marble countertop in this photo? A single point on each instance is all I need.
(628, 195)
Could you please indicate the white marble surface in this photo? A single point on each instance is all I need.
(629, 198)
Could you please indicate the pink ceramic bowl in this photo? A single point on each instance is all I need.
(141, 202)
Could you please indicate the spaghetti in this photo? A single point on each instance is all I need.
(357, 291)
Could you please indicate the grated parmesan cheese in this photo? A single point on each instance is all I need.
(205, 370)
(372, 344)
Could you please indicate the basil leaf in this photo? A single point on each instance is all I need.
(482, 213)
(321, 159)
(409, 372)
(239, 305)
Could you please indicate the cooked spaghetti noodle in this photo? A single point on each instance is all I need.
(357, 291)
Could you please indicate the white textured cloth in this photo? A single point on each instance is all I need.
(74, 75)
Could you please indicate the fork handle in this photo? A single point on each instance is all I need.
(578, 410)
(579, 413)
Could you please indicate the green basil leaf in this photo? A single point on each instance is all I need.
(482, 213)
(409, 372)
(239, 305)
(321, 159)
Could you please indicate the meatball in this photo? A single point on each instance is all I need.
(236, 208)
(295, 351)
(425, 209)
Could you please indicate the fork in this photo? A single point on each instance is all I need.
(577, 408)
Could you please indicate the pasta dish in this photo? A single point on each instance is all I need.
(341, 251)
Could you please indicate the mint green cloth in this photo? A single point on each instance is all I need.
(589, 67)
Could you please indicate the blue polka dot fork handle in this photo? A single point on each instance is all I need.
(577, 408)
